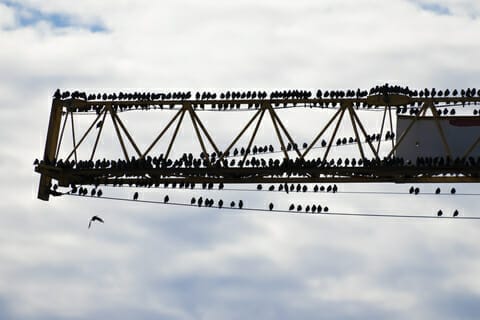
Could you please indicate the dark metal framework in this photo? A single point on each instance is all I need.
(378, 169)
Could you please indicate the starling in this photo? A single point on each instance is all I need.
(94, 218)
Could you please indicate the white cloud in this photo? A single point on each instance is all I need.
(148, 260)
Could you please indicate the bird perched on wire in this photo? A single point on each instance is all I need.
(94, 218)
(135, 196)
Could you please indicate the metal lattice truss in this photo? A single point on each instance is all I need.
(296, 165)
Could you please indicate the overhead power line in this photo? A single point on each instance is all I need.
(331, 213)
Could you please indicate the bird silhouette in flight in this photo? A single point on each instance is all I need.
(94, 218)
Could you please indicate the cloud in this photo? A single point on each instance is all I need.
(151, 261)
(25, 15)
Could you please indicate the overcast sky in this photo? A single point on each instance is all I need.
(151, 261)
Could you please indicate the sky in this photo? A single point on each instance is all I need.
(151, 261)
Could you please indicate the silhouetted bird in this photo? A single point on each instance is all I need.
(439, 213)
(270, 206)
(437, 191)
(99, 193)
(220, 203)
(166, 199)
(292, 206)
(272, 188)
(259, 187)
(99, 124)
(240, 204)
(94, 218)
(325, 209)
(412, 189)
(192, 202)
(453, 191)
(232, 204)
(135, 196)
(455, 213)
(417, 190)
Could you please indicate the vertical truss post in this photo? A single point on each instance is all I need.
(61, 135)
(119, 135)
(391, 123)
(50, 147)
(381, 128)
(357, 136)
(440, 129)
(73, 137)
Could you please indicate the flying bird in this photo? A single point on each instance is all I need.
(94, 218)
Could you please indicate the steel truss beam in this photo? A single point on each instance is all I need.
(218, 172)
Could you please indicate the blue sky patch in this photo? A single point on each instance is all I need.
(435, 8)
(27, 16)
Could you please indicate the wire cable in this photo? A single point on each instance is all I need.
(301, 191)
(371, 215)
